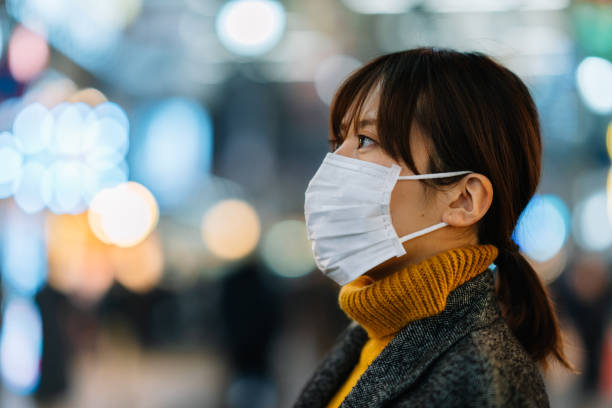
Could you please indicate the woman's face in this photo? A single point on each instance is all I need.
(411, 208)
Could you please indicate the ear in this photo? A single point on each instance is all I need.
(469, 200)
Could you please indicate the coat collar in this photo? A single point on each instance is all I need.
(471, 306)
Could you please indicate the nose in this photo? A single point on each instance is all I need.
(344, 149)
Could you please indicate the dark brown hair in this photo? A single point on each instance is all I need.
(476, 115)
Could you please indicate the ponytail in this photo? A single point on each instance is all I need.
(494, 132)
(527, 307)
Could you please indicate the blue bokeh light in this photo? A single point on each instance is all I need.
(113, 111)
(71, 129)
(33, 128)
(21, 346)
(33, 190)
(176, 151)
(24, 256)
(543, 227)
(67, 184)
(81, 152)
(11, 162)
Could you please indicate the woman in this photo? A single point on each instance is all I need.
(435, 155)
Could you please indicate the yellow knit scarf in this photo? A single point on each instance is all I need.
(385, 306)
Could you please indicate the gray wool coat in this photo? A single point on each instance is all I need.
(465, 356)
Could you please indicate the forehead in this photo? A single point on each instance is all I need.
(368, 111)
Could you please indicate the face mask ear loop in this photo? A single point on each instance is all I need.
(434, 175)
(429, 176)
(423, 231)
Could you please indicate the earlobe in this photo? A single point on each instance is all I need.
(469, 201)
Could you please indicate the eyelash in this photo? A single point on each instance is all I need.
(362, 138)
(335, 143)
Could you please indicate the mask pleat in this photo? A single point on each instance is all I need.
(348, 227)
(346, 213)
(362, 254)
(347, 216)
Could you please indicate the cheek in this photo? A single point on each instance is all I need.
(407, 206)
(376, 155)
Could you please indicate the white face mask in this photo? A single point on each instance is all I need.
(348, 219)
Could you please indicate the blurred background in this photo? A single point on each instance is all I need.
(153, 161)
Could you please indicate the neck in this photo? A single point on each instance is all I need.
(418, 251)
(416, 291)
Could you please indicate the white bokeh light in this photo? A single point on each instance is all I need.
(124, 215)
(609, 194)
(594, 81)
(592, 226)
(251, 27)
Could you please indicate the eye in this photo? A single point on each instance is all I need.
(365, 141)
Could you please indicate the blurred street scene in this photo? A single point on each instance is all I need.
(153, 160)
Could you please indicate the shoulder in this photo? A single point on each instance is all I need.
(486, 368)
(509, 372)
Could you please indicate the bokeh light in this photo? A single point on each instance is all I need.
(592, 226)
(84, 30)
(79, 264)
(72, 133)
(251, 27)
(177, 150)
(472, 6)
(380, 6)
(117, 14)
(65, 181)
(543, 227)
(49, 89)
(286, 250)
(594, 81)
(28, 54)
(609, 140)
(609, 194)
(24, 260)
(123, 215)
(33, 191)
(33, 128)
(20, 346)
(70, 152)
(139, 268)
(231, 229)
(330, 74)
(11, 161)
(89, 96)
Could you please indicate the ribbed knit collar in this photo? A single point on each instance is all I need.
(385, 306)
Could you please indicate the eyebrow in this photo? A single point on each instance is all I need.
(362, 123)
